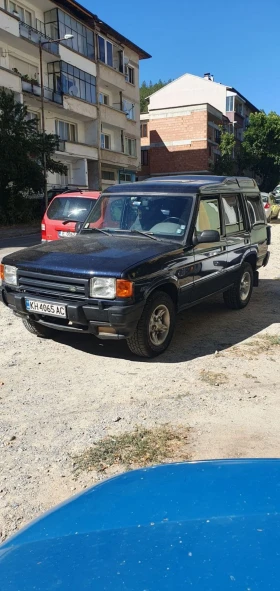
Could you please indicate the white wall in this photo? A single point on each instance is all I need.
(77, 60)
(190, 90)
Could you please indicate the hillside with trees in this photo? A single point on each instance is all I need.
(148, 89)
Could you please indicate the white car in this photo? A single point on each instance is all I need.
(267, 205)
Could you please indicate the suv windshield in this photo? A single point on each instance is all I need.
(159, 215)
(70, 208)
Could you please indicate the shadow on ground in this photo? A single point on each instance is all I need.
(200, 331)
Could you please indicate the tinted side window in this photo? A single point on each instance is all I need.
(255, 209)
(208, 215)
(233, 214)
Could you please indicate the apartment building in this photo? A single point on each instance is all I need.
(91, 87)
(181, 131)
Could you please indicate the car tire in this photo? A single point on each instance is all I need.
(37, 329)
(239, 295)
(149, 340)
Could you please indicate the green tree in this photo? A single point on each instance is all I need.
(261, 148)
(22, 147)
(147, 90)
(225, 164)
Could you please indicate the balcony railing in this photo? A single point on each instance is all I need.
(35, 89)
(35, 36)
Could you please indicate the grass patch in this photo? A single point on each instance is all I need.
(181, 396)
(263, 343)
(212, 378)
(142, 447)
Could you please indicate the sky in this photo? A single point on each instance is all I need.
(238, 42)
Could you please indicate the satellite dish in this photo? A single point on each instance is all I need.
(73, 91)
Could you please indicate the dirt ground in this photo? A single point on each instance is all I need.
(219, 379)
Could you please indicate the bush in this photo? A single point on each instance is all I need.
(18, 209)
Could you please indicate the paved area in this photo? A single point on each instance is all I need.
(8, 245)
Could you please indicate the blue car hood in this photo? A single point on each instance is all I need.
(208, 526)
(88, 254)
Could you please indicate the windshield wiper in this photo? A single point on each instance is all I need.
(96, 230)
(144, 234)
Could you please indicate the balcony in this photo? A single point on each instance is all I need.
(119, 159)
(10, 80)
(35, 36)
(35, 89)
(111, 76)
(78, 150)
(9, 24)
(80, 107)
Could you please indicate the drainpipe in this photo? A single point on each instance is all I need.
(99, 168)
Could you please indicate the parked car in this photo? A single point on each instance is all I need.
(64, 212)
(267, 203)
(276, 193)
(202, 526)
(275, 206)
(146, 251)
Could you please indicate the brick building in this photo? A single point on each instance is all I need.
(179, 139)
(181, 131)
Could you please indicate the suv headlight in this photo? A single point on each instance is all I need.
(10, 275)
(102, 287)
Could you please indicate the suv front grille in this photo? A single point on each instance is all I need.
(54, 286)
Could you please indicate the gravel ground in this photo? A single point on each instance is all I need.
(58, 397)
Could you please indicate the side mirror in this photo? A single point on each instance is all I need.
(78, 227)
(207, 236)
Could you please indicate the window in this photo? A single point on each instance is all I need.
(105, 51)
(105, 141)
(239, 108)
(63, 179)
(127, 212)
(108, 175)
(144, 157)
(130, 146)
(128, 108)
(255, 208)
(24, 15)
(64, 78)
(76, 208)
(229, 103)
(144, 130)
(66, 131)
(126, 177)
(83, 38)
(208, 215)
(31, 116)
(130, 75)
(217, 136)
(103, 98)
(24, 68)
(233, 214)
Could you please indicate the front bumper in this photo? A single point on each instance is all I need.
(114, 322)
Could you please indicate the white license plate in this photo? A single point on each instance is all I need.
(44, 308)
(67, 234)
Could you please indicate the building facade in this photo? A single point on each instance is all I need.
(179, 140)
(91, 87)
(181, 131)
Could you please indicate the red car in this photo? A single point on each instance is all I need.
(64, 211)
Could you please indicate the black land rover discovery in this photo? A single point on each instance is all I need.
(146, 251)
